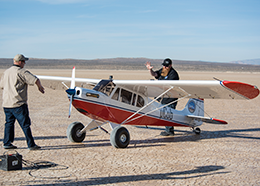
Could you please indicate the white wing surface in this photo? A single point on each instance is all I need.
(195, 88)
(205, 89)
(68, 79)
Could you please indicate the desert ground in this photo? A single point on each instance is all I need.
(220, 155)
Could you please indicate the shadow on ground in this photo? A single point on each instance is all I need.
(193, 173)
(181, 136)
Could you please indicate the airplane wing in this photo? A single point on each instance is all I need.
(205, 89)
(68, 79)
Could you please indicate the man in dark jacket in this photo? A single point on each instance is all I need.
(165, 73)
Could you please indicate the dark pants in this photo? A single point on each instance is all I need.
(165, 101)
(21, 114)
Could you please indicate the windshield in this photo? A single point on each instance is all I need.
(105, 86)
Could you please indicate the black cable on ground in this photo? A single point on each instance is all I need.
(35, 166)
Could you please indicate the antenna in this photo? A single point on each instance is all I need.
(216, 79)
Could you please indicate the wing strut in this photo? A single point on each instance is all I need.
(128, 119)
(158, 108)
(147, 105)
(93, 125)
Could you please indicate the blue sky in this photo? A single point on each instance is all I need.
(207, 30)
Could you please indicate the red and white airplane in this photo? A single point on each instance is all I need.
(135, 102)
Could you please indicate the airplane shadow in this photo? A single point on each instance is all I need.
(39, 138)
(200, 171)
(154, 141)
(184, 135)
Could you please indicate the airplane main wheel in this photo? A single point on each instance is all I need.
(197, 130)
(73, 132)
(120, 137)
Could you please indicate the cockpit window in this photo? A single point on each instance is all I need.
(116, 94)
(128, 97)
(134, 99)
(140, 101)
(105, 86)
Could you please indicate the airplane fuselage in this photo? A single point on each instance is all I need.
(100, 106)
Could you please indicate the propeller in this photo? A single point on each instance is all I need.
(71, 91)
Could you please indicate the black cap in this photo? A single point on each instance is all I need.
(167, 62)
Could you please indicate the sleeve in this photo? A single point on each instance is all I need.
(158, 72)
(27, 77)
(2, 82)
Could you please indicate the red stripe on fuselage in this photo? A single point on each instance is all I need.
(116, 115)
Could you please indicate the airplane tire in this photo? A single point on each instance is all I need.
(73, 132)
(197, 130)
(119, 137)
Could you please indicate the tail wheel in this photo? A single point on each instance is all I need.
(197, 130)
(74, 134)
(120, 137)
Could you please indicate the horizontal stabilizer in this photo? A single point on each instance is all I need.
(207, 119)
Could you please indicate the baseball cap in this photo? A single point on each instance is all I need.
(20, 57)
(167, 62)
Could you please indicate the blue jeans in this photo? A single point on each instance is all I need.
(170, 129)
(21, 114)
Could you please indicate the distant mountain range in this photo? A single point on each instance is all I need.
(134, 64)
(248, 61)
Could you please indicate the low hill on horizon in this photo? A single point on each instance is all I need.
(248, 61)
(129, 64)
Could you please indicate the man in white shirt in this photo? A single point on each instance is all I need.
(14, 83)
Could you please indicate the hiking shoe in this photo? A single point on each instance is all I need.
(36, 147)
(165, 133)
(10, 147)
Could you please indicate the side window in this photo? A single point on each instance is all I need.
(126, 96)
(140, 101)
(116, 94)
(134, 98)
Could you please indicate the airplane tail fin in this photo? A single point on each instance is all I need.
(195, 110)
(195, 107)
